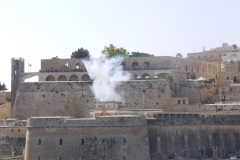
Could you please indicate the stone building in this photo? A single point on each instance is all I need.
(214, 54)
(114, 137)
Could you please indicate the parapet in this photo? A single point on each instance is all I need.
(13, 123)
(106, 121)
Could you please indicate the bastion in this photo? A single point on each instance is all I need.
(118, 138)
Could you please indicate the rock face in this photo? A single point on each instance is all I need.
(76, 98)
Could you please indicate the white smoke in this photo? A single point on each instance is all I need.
(106, 74)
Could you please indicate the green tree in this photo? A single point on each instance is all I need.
(138, 54)
(80, 53)
(2, 87)
(112, 51)
(55, 57)
(179, 55)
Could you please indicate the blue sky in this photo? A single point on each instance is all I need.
(42, 29)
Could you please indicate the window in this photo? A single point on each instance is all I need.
(18, 130)
(178, 101)
(109, 106)
(124, 141)
(103, 141)
(60, 158)
(183, 101)
(60, 142)
(99, 106)
(124, 158)
(12, 130)
(39, 158)
(158, 139)
(233, 55)
(39, 141)
(82, 141)
(230, 89)
(82, 158)
(219, 55)
(103, 158)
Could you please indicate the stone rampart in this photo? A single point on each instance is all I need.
(76, 99)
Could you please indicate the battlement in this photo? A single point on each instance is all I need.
(105, 121)
(13, 123)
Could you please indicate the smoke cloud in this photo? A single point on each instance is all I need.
(106, 74)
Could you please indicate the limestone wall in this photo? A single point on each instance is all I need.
(76, 99)
(193, 137)
(101, 138)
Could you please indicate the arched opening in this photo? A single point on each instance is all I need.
(5, 150)
(66, 67)
(135, 65)
(62, 78)
(145, 75)
(77, 66)
(85, 78)
(146, 64)
(73, 78)
(134, 76)
(164, 75)
(50, 78)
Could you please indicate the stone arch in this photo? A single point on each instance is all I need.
(63, 63)
(146, 64)
(77, 66)
(73, 78)
(144, 75)
(164, 75)
(6, 150)
(85, 78)
(50, 78)
(135, 65)
(134, 76)
(62, 78)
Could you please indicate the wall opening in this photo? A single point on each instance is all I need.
(62, 78)
(73, 78)
(146, 64)
(77, 66)
(50, 78)
(60, 142)
(82, 141)
(39, 142)
(135, 65)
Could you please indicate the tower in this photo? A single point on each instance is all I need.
(17, 68)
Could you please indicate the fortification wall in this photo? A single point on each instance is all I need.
(101, 138)
(12, 138)
(193, 137)
(76, 99)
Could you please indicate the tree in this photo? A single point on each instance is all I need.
(80, 53)
(55, 57)
(112, 51)
(2, 87)
(179, 55)
(138, 54)
(235, 46)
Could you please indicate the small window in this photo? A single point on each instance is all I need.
(39, 142)
(103, 141)
(183, 101)
(124, 158)
(82, 141)
(60, 158)
(99, 106)
(109, 106)
(82, 158)
(230, 89)
(124, 141)
(219, 55)
(12, 130)
(178, 101)
(39, 158)
(18, 130)
(103, 158)
(60, 142)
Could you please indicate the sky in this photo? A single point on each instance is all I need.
(36, 30)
